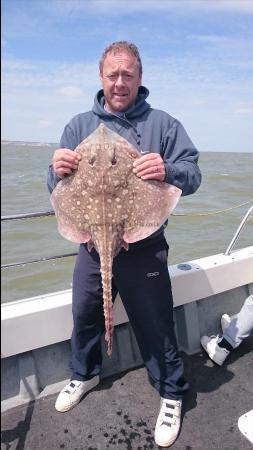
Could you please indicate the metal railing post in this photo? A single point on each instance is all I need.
(238, 231)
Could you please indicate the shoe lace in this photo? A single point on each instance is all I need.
(71, 387)
(215, 336)
(168, 414)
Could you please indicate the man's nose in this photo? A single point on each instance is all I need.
(119, 81)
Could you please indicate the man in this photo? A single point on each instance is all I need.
(168, 156)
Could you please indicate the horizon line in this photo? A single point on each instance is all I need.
(10, 141)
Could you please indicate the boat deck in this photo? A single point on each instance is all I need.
(121, 413)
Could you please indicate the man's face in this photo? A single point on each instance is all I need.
(120, 79)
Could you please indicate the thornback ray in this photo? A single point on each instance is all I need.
(104, 204)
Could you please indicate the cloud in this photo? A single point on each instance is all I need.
(3, 43)
(45, 123)
(70, 91)
(41, 25)
(211, 38)
(115, 7)
(41, 74)
(244, 110)
(24, 11)
(242, 6)
(197, 58)
(39, 97)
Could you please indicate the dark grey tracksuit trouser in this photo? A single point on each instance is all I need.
(141, 277)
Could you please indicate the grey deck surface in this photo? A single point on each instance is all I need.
(121, 412)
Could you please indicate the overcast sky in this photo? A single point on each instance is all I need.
(197, 58)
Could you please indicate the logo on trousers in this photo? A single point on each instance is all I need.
(152, 274)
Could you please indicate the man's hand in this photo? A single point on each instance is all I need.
(65, 161)
(149, 167)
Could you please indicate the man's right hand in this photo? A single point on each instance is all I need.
(65, 161)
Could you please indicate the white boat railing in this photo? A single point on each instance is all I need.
(28, 215)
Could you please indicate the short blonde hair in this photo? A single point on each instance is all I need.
(116, 47)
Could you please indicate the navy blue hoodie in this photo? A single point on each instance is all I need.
(147, 129)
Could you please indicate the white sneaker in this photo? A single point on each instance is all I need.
(168, 422)
(71, 395)
(245, 425)
(216, 353)
(225, 321)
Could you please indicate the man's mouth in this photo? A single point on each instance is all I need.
(119, 95)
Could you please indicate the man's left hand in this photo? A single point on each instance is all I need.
(149, 167)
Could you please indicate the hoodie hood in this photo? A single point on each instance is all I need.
(136, 110)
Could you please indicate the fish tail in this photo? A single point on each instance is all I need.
(106, 275)
(108, 312)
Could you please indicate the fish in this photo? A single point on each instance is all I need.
(105, 205)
